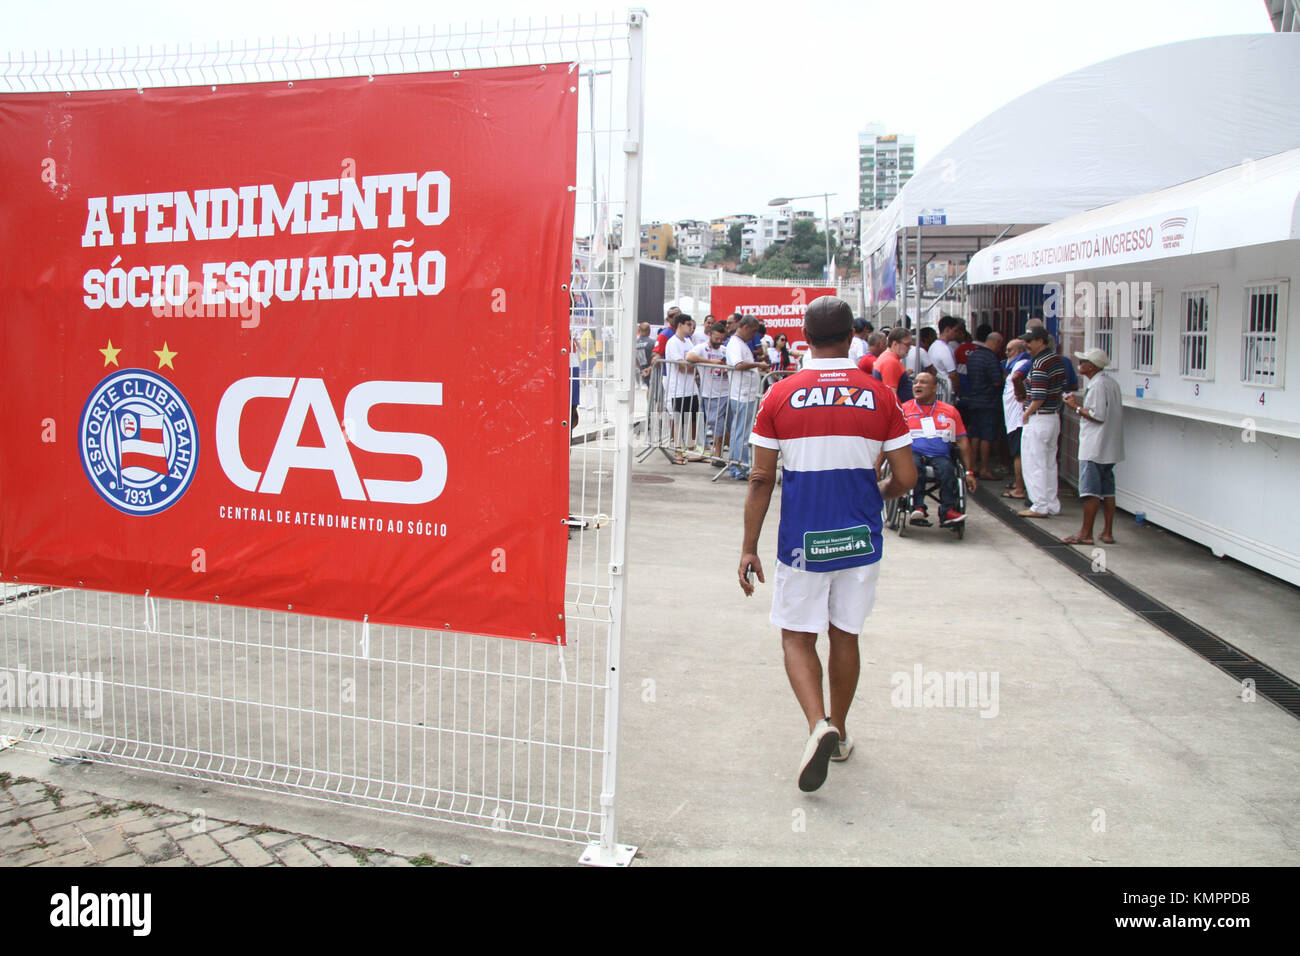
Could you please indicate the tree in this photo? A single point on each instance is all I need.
(734, 240)
(802, 256)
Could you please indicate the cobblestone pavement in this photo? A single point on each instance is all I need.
(42, 825)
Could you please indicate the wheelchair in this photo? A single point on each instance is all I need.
(898, 510)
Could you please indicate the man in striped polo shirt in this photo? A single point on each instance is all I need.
(1044, 387)
(830, 422)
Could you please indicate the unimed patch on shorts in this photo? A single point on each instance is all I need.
(833, 545)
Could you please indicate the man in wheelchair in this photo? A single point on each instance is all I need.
(937, 431)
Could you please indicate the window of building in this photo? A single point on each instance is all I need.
(1146, 340)
(1196, 333)
(1263, 331)
(1101, 327)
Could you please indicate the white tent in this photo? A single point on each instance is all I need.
(1247, 204)
(1129, 125)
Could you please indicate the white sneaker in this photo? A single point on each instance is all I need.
(843, 749)
(816, 755)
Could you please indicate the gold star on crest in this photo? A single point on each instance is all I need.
(110, 353)
(165, 357)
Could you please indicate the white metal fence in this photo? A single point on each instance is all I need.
(455, 727)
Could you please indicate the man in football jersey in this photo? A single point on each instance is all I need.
(888, 366)
(876, 343)
(830, 422)
(935, 427)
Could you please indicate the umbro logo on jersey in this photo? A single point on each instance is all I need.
(822, 395)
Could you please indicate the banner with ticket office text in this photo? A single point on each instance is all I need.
(293, 345)
(779, 308)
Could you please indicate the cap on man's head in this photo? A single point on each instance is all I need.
(860, 324)
(1096, 356)
(1037, 332)
(828, 320)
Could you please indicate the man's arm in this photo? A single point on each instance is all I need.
(1036, 390)
(963, 452)
(762, 479)
(902, 473)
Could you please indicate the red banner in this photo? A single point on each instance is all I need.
(293, 345)
(780, 308)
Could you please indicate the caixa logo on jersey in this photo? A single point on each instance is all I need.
(138, 442)
(308, 396)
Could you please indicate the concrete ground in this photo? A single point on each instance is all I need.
(1247, 608)
(1110, 743)
(1096, 739)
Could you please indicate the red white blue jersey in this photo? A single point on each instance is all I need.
(830, 422)
(936, 438)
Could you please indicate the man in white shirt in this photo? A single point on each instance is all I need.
(941, 354)
(710, 360)
(743, 394)
(1018, 363)
(682, 393)
(918, 356)
(701, 333)
(858, 344)
(1101, 443)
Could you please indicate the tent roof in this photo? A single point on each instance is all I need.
(1136, 123)
(1244, 205)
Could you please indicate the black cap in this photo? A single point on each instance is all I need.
(859, 324)
(1037, 332)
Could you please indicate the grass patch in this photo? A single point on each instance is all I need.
(104, 810)
(54, 794)
(262, 828)
(362, 856)
(422, 860)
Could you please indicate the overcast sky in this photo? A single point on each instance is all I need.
(746, 99)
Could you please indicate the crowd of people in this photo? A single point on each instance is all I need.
(855, 417)
(997, 404)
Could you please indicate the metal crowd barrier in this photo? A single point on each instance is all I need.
(698, 431)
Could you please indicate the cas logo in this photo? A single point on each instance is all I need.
(138, 442)
(308, 396)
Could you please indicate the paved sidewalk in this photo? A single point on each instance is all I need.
(44, 825)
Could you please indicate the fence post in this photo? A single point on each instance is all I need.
(608, 852)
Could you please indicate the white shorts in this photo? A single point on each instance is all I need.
(807, 601)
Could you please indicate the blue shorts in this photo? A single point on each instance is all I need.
(1096, 481)
(981, 423)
